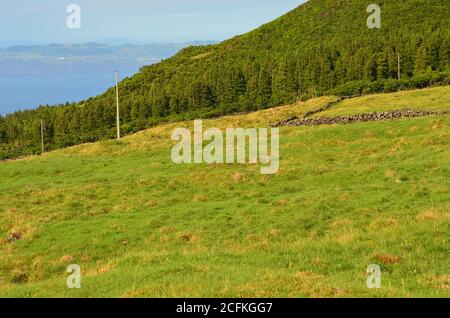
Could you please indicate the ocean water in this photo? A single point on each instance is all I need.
(28, 92)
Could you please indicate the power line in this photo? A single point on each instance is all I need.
(117, 106)
(42, 137)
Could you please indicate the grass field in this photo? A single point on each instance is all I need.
(437, 98)
(140, 226)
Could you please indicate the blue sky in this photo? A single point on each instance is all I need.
(44, 21)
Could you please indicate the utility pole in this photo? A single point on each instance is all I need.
(42, 136)
(398, 66)
(117, 104)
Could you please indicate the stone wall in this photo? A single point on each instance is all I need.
(343, 120)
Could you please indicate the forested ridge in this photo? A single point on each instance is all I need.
(321, 47)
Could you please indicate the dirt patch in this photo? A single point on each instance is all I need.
(13, 236)
(237, 177)
(434, 214)
(387, 259)
(444, 282)
(187, 237)
(66, 259)
(19, 276)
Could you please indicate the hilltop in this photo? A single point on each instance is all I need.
(346, 196)
(321, 47)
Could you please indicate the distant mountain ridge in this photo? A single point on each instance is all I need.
(82, 58)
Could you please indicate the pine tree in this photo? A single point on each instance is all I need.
(382, 67)
(371, 70)
(264, 88)
(421, 60)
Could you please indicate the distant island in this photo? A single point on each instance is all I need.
(24, 60)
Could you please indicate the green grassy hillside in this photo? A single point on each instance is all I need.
(320, 47)
(139, 225)
(427, 99)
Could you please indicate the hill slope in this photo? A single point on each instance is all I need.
(139, 225)
(318, 47)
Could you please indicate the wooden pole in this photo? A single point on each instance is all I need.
(42, 137)
(398, 66)
(117, 106)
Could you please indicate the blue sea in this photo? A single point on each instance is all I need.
(27, 92)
